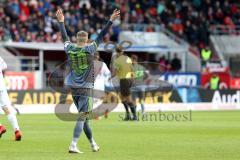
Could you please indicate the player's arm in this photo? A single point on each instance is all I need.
(3, 65)
(114, 69)
(114, 16)
(60, 18)
(132, 72)
(114, 72)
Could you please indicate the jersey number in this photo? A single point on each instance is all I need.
(78, 61)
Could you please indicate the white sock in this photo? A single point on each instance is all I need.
(93, 143)
(13, 120)
(74, 142)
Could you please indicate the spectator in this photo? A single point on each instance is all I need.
(15, 7)
(176, 64)
(206, 55)
(24, 8)
(214, 82)
(160, 7)
(162, 64)
(189, 19)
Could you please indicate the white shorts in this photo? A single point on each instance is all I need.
(4, 99)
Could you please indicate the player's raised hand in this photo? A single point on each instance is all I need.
(60, 15)
(115, 15)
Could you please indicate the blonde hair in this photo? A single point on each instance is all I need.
(82, 36)
(119, 49)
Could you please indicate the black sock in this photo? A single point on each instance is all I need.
(127, 110)
(133, 109)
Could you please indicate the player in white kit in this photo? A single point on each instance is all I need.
(6, 105)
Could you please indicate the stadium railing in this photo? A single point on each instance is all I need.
(156, 28)
(26, 63)
(225, 30)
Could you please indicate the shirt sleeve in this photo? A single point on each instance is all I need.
(106, 71)
(129, 60)
(92, 48)
(103, 32)
(67, 46)
(63, 32)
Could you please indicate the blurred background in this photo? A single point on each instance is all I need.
(193, 44)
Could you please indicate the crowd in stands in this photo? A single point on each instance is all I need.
(33, 20)
(169, 65)
(163, 64)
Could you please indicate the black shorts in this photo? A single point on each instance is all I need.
(125, 87)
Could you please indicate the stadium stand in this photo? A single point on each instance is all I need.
(190, 20)
(225, 44)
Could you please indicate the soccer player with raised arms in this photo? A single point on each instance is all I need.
(79, 79)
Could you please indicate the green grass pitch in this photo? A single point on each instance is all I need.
(209, 136)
